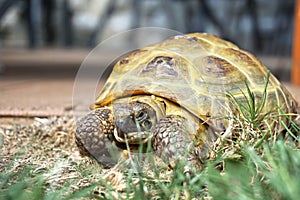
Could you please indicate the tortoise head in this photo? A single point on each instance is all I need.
(135, 118)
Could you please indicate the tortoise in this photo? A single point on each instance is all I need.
(174, 96)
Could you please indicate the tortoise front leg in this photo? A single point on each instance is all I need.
(94, 136)
(173, 141)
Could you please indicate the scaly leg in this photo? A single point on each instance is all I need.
(94, 136)
(174, 142)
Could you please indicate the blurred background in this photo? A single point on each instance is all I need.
(260, 26)
(49, 39)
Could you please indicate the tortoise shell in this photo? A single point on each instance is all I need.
(197, 72)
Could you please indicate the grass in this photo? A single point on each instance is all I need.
(271, 175)
(250, 109)
(249, 164)
(275, 175)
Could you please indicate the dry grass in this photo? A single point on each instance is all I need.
(40, 161)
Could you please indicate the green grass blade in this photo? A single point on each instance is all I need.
(262, 102)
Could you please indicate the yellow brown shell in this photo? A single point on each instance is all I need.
(197, 72)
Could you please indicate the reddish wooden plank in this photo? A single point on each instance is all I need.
(296, 47)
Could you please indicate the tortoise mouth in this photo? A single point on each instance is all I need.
(133, 138)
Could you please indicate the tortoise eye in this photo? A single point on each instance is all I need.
(141, 115)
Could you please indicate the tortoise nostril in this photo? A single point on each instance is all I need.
(120, 125)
